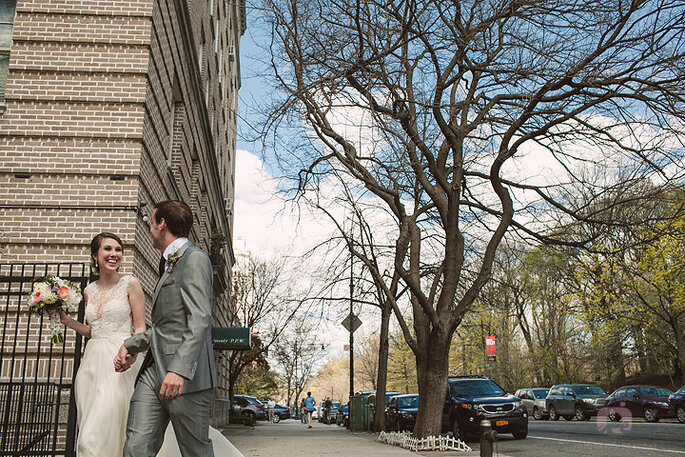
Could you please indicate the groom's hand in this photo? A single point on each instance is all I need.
(172, 386)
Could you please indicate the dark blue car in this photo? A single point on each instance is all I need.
(676, 404)
(400, 414)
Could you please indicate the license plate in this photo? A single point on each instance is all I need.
(501, 423)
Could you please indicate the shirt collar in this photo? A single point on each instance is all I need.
(174, 246)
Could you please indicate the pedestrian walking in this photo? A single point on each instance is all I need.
(271, 405)
(309, 404)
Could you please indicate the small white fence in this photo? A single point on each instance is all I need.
(431, 443)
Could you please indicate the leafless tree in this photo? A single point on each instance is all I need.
(455, 101)
(262, 302)
(296, 354)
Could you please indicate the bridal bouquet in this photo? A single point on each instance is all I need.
(53, 294)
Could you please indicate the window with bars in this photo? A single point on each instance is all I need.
(7, 9)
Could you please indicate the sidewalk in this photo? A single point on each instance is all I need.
(292, 438)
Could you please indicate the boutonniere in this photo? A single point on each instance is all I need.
(171, 261)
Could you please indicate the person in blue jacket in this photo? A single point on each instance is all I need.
(309, 404)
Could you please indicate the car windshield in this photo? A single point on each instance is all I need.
(408, 402)
(475, 388)
(654, 391)
(540, 393)
(588, 390)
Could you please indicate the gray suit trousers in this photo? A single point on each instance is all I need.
(149, 417)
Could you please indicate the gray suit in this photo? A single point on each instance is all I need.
(180, 341)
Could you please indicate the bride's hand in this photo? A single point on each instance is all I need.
(121, 360)
(63, 317)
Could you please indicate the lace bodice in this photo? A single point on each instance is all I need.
(109, 312)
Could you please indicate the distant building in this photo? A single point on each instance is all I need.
(107, 108)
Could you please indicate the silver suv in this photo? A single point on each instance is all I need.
(248, 406)
(534, 399)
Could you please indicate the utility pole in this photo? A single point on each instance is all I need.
(351, 328)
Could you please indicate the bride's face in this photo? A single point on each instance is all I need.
(109, 255)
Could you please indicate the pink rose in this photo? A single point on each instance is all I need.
(63, 292)
(37, 297)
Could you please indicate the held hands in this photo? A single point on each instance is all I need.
(172, 386)
(123, 360)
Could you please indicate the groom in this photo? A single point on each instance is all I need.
(177, 376)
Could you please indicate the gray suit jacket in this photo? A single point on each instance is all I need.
(180, 338)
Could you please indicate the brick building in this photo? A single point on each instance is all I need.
(107, 108)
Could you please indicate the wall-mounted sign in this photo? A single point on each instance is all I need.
(236, 338)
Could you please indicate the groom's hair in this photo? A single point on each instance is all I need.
(177, 215)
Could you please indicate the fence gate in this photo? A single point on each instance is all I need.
(37, 410)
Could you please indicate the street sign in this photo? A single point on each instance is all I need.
(351, 322)
(231, 338)
(346, 347)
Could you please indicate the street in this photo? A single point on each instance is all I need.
(624, 439)
(592, 438)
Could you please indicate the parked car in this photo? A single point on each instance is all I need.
(334, 409)
(342, 416)
(676, 404)
(371, 402)
(581, 401)
(282, 412)
(534, 400)
(249, 407)
(473, 399)
(649, 402)
(400, 414)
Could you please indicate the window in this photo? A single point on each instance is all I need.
(7, 8)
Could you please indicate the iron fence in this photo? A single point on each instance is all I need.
(37, 409)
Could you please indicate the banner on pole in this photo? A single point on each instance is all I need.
(490, 350)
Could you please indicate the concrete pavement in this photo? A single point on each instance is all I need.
(292, 438)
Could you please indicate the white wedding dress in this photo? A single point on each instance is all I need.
(103, 395)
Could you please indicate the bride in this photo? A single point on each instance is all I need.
(115, 304)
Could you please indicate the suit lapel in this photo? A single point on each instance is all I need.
(166, 274)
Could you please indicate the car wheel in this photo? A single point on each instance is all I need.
(277, 418)
(456, 430)
(537, 415)
(651, 414)
(613, 415)
(680, 414)
(521, 433)
(580, 414)
(553, 416)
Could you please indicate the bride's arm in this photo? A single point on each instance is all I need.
(73, 324)
(136, 299)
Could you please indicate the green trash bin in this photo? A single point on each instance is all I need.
(357, 413)
(367, 417)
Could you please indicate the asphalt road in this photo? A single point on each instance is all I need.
(592, 438)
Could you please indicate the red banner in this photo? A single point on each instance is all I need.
(490, 345)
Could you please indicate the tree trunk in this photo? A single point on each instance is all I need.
(680, 348)
(432, 368)
(379, 414)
